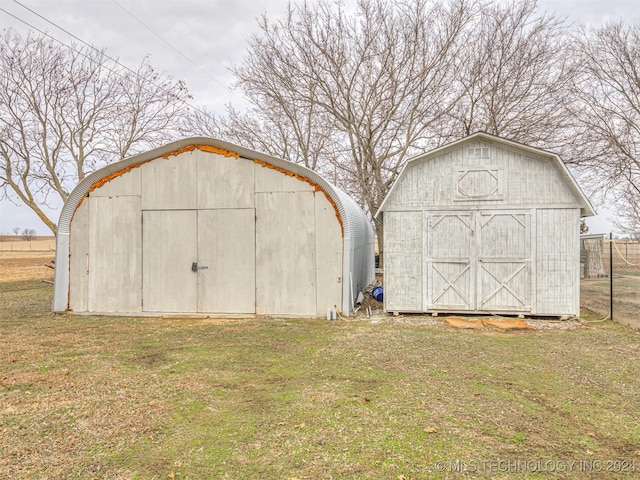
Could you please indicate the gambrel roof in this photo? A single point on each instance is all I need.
(586, 209)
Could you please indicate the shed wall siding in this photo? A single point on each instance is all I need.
(115, 263)
(169, 183)
(141, 230)
(129, 184)
(223, 182)
(443, 181)
(79, 249)
(329, 255)
(403, 261)
(285, 253)
(558, 254)
(272, 180)
(106, 267)
(483, 227)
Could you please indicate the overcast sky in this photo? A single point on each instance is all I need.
(195, 41)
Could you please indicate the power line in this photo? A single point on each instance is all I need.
(70, 47)
(170, 45)
(67, 32)
(87, 45)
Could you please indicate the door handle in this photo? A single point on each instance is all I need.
(195, 267)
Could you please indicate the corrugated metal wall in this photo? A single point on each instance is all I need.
(130, 232)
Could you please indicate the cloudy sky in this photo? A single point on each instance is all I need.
(195, 41)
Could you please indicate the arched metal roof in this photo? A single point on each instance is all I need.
(356, 228)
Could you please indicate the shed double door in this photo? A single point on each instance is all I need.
(478, 261)
(199, 261)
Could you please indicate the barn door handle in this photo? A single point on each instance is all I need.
(195, 267)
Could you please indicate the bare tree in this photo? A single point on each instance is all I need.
(303, 138)
(67, 111)
(353, 94)
(28, 234)
(16, 230)
(629, 214)
(584, 228)
(606, 111)
(515, 75)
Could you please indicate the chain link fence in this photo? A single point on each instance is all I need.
(610, 279)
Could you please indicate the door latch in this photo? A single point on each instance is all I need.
(195, 267)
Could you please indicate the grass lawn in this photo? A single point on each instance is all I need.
(142, 398)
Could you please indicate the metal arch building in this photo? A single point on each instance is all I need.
(207, 227)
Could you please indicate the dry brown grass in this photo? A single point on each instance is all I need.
(22, 260)
(594, 299)
(19, 266)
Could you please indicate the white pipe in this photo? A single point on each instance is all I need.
(352, 302)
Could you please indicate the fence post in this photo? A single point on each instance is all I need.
(610, 276)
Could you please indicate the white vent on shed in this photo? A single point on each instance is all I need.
(478, 152)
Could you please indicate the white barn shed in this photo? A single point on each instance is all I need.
(203, 226)
(483, 225)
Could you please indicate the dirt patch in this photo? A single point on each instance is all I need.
(508, 324)
(459, 322)
(501, 324)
